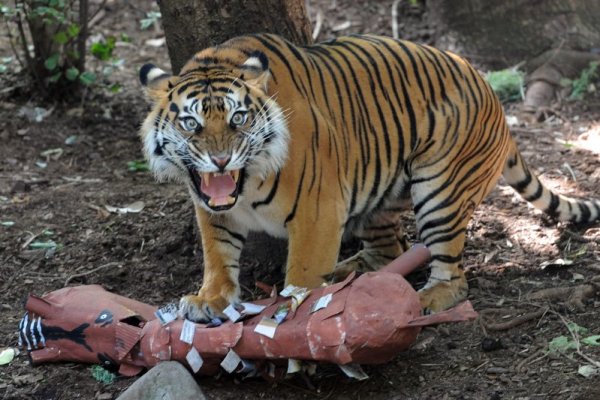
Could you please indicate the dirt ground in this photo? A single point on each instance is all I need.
(512, 250)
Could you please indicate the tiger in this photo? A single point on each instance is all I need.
(314, 143)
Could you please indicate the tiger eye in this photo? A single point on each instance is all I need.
(239, 118)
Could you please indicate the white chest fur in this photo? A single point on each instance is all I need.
(258, 220)
(262, 218)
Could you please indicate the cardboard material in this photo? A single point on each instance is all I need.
(367, 319)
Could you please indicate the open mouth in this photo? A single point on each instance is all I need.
(219, 190)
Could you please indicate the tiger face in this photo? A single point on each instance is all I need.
(213, 126)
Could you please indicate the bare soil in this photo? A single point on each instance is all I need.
(151, 255)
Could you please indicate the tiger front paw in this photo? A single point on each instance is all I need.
(443, 295)
(205, 306)
(346, 267)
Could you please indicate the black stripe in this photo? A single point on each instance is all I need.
(273, 47)
(446, 258)
(381, 227)
(553, 206)
(446, 238)
(585, 212)
(231, 233)
(537, 194)
(292, 214)
(229, 242)
(267, 200)
(377, 74)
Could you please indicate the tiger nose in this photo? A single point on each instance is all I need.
(221, 161)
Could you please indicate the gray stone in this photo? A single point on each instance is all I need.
(168, 380)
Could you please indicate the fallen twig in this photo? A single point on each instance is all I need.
(32, 237)
(579, 237)
(521, 319)
(395, 33)
(532, 359)
(82, 274)
(578, 343)
(318, 24)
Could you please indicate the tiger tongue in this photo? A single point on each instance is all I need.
(219, 186)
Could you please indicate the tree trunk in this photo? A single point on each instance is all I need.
(505, 33)
(193, 25)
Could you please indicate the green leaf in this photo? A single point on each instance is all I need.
(55, 77)
(73, 55)
(146, 23)
(124, 38)
(61, 37)
(7, 355)
(138, 166)
(151, 18)
(573, 327)
(51, 62)
(561, 344)
(43, 245)
(7, 223)
(102, 375)
(57, 3)
(588, 371)
(591, 340)
(115, 88)
(3, 68)
(87, 78)
(103, 49)
(73, 30)
(507, 84)
(72, 73)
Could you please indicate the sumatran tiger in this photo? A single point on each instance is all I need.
(310, 142)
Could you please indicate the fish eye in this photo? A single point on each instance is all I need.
(238, 119)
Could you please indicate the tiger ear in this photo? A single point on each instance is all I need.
(155, 81)
(256, 70)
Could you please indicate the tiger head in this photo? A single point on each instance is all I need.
(214, 125)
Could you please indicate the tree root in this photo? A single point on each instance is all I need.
(573, 297)
(549, 69)
(521, 319)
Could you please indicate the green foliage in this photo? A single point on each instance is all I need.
(5, 63)
(585, 82)
(57, 32)
(151, 18)
(138, 166)
(507, 84)
(102, 375)
(561, 344)
(566, 344)
(103, 49)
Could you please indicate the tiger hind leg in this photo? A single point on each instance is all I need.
(447, 284)
(383, 240)
(441, 226)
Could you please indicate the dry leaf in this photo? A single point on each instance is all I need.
(7, 355)
(135, 207)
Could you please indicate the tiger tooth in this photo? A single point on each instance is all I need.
(235, 174)
(206, 178)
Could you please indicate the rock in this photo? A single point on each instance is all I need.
(168, 380)
(491, 344)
